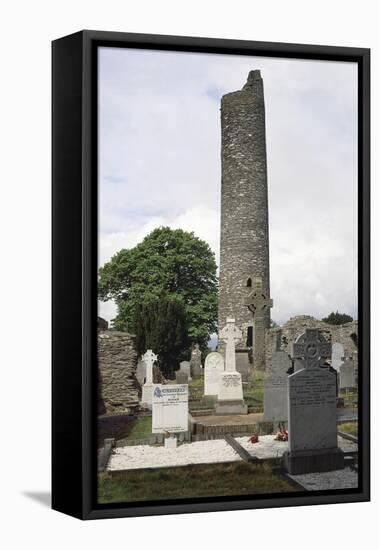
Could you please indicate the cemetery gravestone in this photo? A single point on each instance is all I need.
(312, 412)
(181, 377)
(337, 355)
(170, 408)
(275, 401)
(213, 367)
(347, 375)
(185, 367)
(230, 396)
(195, 363)
(149, 358)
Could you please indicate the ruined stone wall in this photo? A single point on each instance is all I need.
(244, 249)
(283, 337)
(117, 363)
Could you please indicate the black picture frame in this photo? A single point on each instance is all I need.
(74, 270)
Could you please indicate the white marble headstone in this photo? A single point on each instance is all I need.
(170, 408)
(337, 355)
(149, 359)
(214, 366)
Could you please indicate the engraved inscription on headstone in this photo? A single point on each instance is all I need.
(312, 404)
(214, 366)
(170, 408)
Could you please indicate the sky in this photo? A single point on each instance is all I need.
(159, 164)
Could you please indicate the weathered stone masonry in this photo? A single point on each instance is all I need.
(117, 363)
(244, 250)
(283, 337)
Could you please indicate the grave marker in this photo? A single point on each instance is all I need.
(149, 358)
(312, 409)
(213, 367)
(170, 408)
(275, 400)
(347, 375)
(230, 396)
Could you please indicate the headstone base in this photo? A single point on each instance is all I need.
(319, 460)
(225, 407)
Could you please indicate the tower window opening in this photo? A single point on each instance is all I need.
(248, 282)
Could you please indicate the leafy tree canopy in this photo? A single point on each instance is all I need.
(161, 325)
(168, 264)
(336, 318)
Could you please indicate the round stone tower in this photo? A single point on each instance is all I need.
(244, 254)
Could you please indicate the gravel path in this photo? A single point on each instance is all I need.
(321, 481)
(200, 452)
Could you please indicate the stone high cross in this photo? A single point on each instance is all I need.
(311, 348)
(231, 336)
(149, 359)
(258, 303)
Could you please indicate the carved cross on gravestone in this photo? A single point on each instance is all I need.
(258, 303)
(311, 348)
(231, 336)
(149, 359)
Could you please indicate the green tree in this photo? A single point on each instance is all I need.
(167, 263)
(161, 325)
(336, 318)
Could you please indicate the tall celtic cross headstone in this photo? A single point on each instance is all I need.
(311, 348)
(231, 336)
(149, 358)
(258, 303)
(230, 395)
(312, 409)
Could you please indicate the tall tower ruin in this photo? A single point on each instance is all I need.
(244, 254)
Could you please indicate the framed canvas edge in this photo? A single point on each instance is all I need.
(84, 505)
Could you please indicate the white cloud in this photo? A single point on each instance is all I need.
(160, 163)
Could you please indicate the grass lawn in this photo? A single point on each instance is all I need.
(349, 428)
(350, 398)
(140, 428)
(253, 392)
(196, 388)
(193, 481)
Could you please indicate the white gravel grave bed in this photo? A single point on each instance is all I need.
(321, 481)
(146, 456)
(200, 452)
(267, 447)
